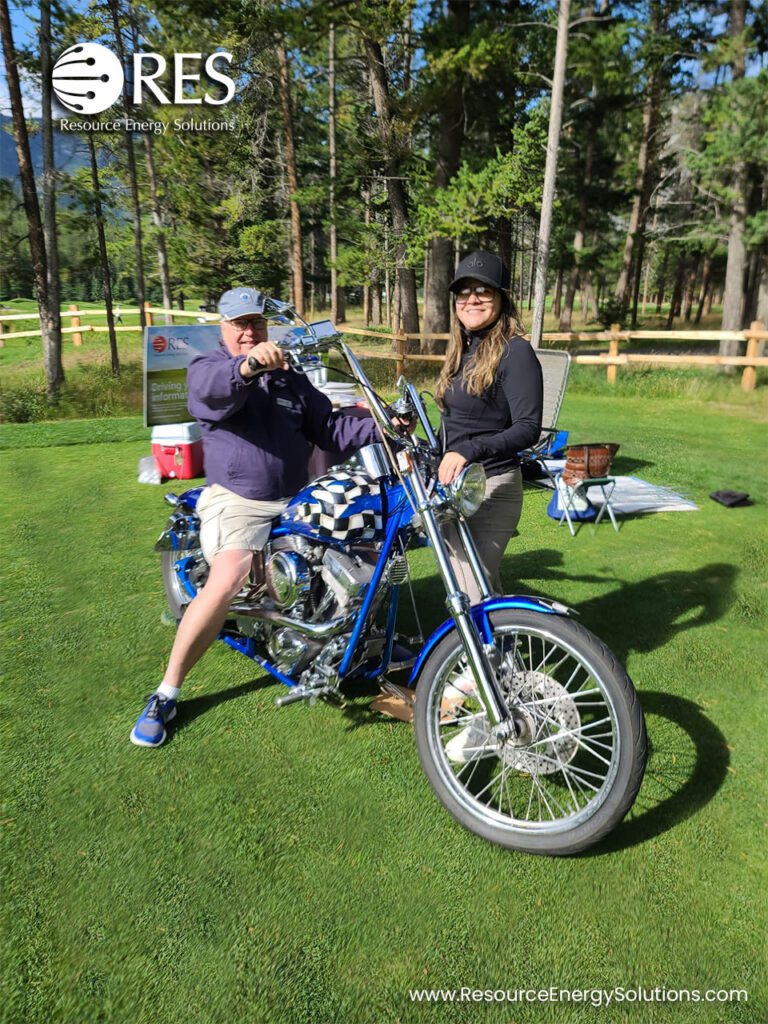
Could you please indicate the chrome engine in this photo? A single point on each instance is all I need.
(313, 582)
(312, 593)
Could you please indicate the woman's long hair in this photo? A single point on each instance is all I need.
(480, 371)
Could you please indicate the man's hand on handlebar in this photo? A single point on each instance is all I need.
(264, 356)
(405, 425)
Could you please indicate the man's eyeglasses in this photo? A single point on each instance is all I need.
(481, 292)
(243, 323)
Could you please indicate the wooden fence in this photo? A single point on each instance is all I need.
(611, 359)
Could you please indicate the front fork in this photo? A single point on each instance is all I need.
(481, 656)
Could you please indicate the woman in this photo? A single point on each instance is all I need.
(490, 394)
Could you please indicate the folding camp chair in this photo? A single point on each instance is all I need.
(572, 498)
(555, 367)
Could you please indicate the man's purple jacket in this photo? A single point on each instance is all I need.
(258, 435)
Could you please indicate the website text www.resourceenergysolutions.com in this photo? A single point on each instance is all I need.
(592, 996)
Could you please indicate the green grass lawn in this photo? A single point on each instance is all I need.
(293, 865)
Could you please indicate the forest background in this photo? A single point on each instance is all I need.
(373, 143)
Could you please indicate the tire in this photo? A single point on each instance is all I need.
(559, 786)
(176, 593)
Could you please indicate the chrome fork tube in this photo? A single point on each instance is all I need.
(458, 605)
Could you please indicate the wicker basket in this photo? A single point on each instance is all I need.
(583, 461)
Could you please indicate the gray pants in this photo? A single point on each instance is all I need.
(491, 527)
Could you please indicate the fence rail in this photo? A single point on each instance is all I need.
(611, 360)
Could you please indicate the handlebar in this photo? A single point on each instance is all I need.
(311, 340)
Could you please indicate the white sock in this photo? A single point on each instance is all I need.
(168, 692)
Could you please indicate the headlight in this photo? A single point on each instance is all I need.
(468, 489)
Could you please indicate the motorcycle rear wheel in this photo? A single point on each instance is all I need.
(573, 771)
(176, 594)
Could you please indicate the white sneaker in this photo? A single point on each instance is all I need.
(472, 742)
(463, 686)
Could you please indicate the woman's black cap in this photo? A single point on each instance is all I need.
(482, 266)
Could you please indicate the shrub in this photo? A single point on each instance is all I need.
(25, 403)
(612, 312)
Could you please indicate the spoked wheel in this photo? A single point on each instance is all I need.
(574, 766)
(176, 566)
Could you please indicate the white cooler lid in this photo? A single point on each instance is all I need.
(176, 433)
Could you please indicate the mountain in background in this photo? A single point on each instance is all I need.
(69, 150)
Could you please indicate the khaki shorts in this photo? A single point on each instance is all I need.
(231, 523)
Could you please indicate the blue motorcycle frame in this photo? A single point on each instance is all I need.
(396, 537)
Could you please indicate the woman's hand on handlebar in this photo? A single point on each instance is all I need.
(450, 467)
(266, 355)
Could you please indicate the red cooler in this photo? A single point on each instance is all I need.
(178, 450)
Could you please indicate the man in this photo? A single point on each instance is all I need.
(259, 428)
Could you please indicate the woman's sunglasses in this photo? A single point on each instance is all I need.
(482, 292)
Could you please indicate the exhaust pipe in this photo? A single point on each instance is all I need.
(310, 629)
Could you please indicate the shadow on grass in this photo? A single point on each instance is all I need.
(685, 787)
(625, 465)
(190, 709)
(639, 616)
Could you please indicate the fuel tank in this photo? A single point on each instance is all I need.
(343, 506)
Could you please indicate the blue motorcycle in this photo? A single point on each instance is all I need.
(527, 727)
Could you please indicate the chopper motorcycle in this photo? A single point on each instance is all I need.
(528, 729)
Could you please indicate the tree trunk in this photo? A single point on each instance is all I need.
(157, 217)
(387, 283)
(297, 267)
(676, 292)
(590, 302)
(662, 282)
(397, 304)
(103, 258)
(693, 273)
(637, 268)
(49, 199)
(376, 302)
(54, 374)
(550, 172)
(395, 187)
(734, 270)
(761, 313)
(367, 283)
(570, 293)
(645, 162)
(530, 271)
(557, 297)
(575, 277)
(437, 306)
(131, 159)
(521, 290)
(337, 298)
(704, 287)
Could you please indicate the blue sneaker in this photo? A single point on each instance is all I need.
(149, 730)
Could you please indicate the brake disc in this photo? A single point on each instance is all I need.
(541, 750)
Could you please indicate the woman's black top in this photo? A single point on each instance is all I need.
(493, 427)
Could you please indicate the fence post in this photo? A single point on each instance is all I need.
(77, 338)
(749, 377)
(3, 329)
(148, 314)
(613, 350)
(400, 364)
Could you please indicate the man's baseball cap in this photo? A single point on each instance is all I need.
(239, 302)
(482, 266)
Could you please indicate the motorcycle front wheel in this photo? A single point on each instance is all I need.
(574, 766)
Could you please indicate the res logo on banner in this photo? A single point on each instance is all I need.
(88, 78)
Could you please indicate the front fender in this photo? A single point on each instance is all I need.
(480, 613)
